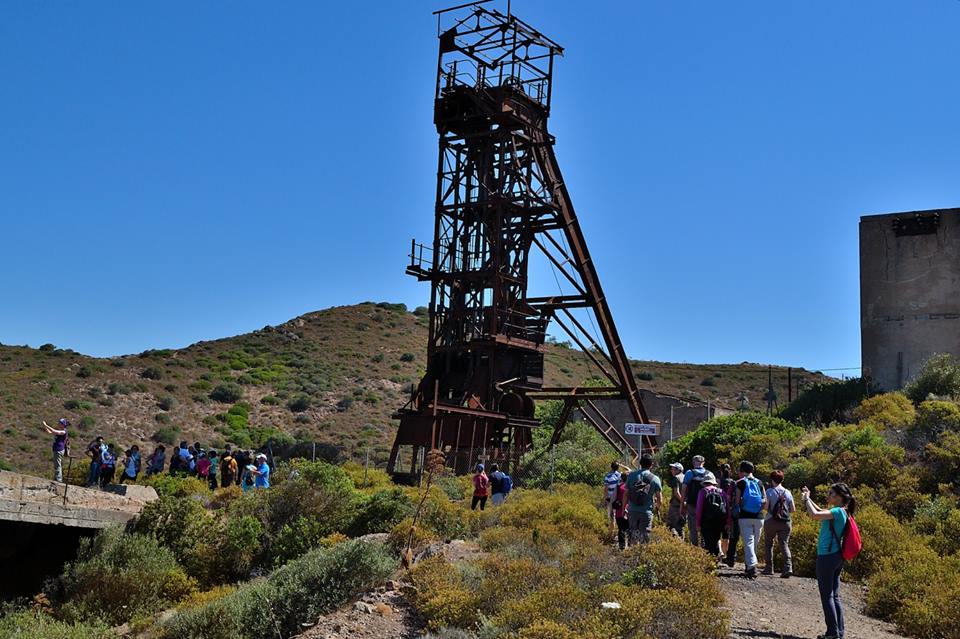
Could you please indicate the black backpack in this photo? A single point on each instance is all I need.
(694, 486)
(639, 491)
(780, 512)
(714, 507)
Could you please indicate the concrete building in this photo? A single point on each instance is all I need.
(677, 416)
(909, 292)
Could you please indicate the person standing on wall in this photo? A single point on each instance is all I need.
(61, 446)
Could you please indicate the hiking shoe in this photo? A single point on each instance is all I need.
(786, 575)
(769, 573)
(730, 563)
(750, 573)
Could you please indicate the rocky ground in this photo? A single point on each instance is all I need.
(775, 608)
(382, 614)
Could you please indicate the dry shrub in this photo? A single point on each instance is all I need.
(919, 591)
(664, 614)
(399, 537)
(560, 603)
(571, 506)
(442, 596)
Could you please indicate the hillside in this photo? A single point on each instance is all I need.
(332, 376)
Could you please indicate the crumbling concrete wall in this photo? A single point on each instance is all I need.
(24, 498)
(909, 292)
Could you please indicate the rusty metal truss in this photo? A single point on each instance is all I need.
(501, 201)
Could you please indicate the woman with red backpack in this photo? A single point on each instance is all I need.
(839, 541)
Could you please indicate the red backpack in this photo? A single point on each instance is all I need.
(851, 542)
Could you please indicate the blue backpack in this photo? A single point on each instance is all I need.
(506, 484)
(752, 500)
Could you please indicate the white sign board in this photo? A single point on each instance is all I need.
(641, 429)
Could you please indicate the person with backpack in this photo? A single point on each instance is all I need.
(131, 464)
(500, 485)
(674, 520)
(611, 482)
(214, 468)
(620, 516)
(156, 460)
(481, 489)
(203, 467)
(711, 514)
(644, 495)
(95, 451)
(778, 525)
(61, 446)
(692, 483)
(839, 541)
(751, 500)
(228, 469)
(731, 534)
(108, 466)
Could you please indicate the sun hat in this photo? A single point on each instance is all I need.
(709, 478)
(677, 465)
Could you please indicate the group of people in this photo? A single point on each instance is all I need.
(496, 486)
(242, 467)
(719, 512)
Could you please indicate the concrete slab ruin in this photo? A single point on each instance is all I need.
(28, 499)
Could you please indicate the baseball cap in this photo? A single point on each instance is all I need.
(64, 421)
(698, 459)
(261, 456)
(709, 478)
(677, 465)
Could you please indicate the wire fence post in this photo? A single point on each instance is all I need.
(552, 455)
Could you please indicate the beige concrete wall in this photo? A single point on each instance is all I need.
(35, 500)
(909, 293)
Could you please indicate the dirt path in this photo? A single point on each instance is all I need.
(775, 608)
(382, 614)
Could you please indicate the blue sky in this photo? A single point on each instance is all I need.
(178, 171)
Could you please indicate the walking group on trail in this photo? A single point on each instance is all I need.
(497, 485)
(718, 513)
(242, 467)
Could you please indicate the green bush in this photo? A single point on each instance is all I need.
(939, 378)
(716, 438)
(828, 402)
(886, 411)
(299, 404)
(935, 417)
(27, 624)
(166, 402)
(380, 512)
(226, 393)
(919, 591)
(408, 357)
(119, 577)
(151, 373)
(297, 593)
(166, 435)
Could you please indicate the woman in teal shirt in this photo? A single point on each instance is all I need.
(833, 521)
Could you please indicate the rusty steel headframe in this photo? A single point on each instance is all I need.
(500, 197)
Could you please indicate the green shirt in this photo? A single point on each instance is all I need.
(827, 544)
(655, 487)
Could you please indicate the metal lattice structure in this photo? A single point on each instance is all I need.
(500, 201)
